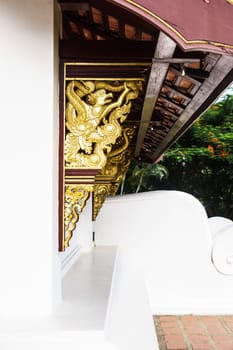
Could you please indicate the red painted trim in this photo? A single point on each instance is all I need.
(193, 25)
(61, 158)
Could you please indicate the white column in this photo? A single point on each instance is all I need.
(29, 264)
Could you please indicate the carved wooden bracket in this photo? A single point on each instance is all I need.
(110, 177)
(90, 126)
(74, 201)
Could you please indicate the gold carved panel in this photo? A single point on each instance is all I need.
(75, 200)
(111, 176)
(94, 113)
(92, 141)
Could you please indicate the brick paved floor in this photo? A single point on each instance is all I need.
(194, 332)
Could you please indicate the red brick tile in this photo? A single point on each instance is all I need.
(214, 324)
(174, 338)
(216, 329)
(227, 318)
(189, 318)
(168, 318)
(177, 346)
(209, 319)
(173, 330)
(229, 323)
(225, 346)
(200, 342)
(190, 324)
(202, 332)
(171, 324)
(223, 339)
(194, 330)
(190, 321)
(175, 342)
(198, 338)
(202, 347)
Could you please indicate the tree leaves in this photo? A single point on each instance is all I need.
(141, 176)
(201, 162)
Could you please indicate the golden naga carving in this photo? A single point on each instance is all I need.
(94, 113)
(123, 161)
(116, 156)
(101, 192)
(123, 165)
(117, 165)
(119, 159)
(74, 202)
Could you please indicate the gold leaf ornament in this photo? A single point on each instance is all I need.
(75, 200)
(94, 114)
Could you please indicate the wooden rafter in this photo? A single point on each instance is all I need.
(164, 49)
(206, 89)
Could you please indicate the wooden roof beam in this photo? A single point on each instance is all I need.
(222, 68)
(107, 51)
(74, 6)
(164, 49)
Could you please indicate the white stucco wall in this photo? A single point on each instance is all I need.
(31, 268)
(222, 248)
(165, 235)
(29, 262)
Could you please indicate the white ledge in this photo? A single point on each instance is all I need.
(80, 319)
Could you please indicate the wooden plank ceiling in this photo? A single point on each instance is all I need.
(179, 85)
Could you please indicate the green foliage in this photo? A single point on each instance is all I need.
(141, 176)
(201, 163)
